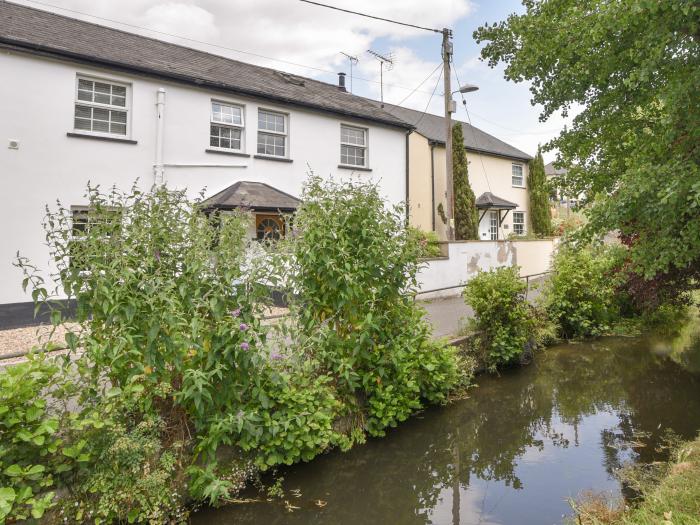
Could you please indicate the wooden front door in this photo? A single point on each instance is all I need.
(269, 227)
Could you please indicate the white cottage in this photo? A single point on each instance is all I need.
(82, 102)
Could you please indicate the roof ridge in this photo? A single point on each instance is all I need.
(159, 40)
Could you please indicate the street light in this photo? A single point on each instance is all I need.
(467, 88)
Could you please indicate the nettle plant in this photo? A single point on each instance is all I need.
(354, 274)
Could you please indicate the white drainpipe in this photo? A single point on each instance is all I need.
(159, 167)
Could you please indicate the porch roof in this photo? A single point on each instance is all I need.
(255, 195)
(488, 201)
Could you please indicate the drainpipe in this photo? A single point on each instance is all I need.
(408, 202)
(432, 182)
(158, 167)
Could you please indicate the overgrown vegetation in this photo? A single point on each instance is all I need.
(538, 190)
(669, 493)
(428, 242)
(175, 389)
(580, 295)
(466, 215)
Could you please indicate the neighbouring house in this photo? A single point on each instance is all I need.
(83, 102)
(497, 173)
(562, 202)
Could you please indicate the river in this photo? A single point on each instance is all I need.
(514, 452)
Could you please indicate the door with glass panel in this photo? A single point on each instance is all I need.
(493, 225)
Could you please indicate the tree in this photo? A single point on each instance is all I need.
(633, 68)
(540, 214)
(466, 216)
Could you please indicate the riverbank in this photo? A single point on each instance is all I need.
(673, 499)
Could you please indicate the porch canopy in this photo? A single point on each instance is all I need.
(256, 196)
(490, 202)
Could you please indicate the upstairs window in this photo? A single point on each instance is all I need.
(226, 126)
(517, 175)
(272, 133)
(353, 146)
(519, 222)
(101, 107)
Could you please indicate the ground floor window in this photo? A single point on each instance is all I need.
(493, 225)
(269, 227)
(519, 222)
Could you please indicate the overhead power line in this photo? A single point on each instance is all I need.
(372, 16)
(419, 85)
(431, 97)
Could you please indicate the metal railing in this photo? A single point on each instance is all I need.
(457, 286)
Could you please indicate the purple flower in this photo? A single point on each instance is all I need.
(275, 356)
(243, 327)
(244, 346)
(236, 312)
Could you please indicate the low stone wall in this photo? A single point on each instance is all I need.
(464, 259)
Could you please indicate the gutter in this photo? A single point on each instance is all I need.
(484, 151)
(185, 79)
(159, 167)
(408, 194)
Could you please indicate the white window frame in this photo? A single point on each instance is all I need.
(229, 125)
(284, 134)
(523, 223)
(365, 132)
(126, 108)
(522, 175)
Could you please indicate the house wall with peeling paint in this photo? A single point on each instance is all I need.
(467, 258)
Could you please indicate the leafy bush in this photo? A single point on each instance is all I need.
(354, 268)
(30, 455)
(502, 317)
(428, 242)
(580, 295)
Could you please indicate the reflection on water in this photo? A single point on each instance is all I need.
(514, 451)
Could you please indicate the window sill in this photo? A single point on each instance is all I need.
(270, 157)
(520, 187)
(353, 168)
(100, 137)
(224, 152)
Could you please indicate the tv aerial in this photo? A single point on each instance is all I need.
(387, 59)
(353, 61)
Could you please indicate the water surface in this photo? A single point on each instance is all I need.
(514, 452)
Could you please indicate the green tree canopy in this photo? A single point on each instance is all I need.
(538, 189)
(466, 216)
(633, 69)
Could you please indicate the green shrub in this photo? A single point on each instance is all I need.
(30, 455)
(354, 268)
(502, 317)
(428, 242)
(133, 478)
(580, 294)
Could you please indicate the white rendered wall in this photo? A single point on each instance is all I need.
(37, 97)
(467, 258)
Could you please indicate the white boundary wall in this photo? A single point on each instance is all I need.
(466, 258)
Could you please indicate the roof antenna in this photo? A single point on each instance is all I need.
(353, 60)
(383, 59)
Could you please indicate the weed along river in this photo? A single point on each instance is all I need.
(514, 452)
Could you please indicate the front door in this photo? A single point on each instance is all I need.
(494, 219)
(269, 227)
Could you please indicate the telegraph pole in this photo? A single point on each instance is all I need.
(449, 109)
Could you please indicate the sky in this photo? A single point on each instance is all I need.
(308, 40)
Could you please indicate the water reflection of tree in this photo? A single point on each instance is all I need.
(401, 478)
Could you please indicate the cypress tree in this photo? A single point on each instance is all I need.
(540, 216)
(466, 216)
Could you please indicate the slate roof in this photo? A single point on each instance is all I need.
(489, 200)
(432, 127)
(255, 195)
(42, 32)
(550, 170)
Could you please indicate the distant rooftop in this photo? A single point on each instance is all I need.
(550, 170)
(432, 127)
